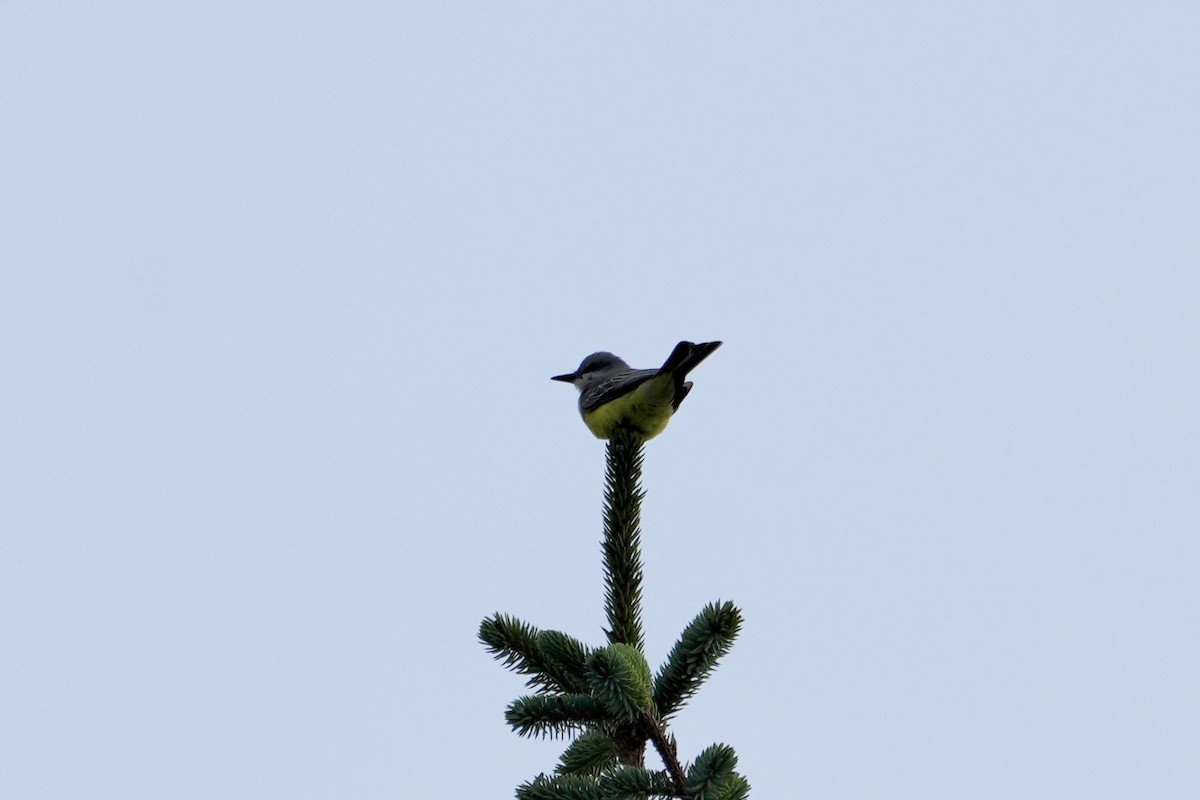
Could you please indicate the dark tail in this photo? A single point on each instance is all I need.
(683, 359)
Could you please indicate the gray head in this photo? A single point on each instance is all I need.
(595, 364)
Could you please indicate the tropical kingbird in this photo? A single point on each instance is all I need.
(612, 393)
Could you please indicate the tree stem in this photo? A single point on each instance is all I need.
(665, 751)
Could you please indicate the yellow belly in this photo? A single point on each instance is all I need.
(647, 410)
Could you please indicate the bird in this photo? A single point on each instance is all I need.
(611, 393)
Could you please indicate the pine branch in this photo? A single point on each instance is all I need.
(622, 538)
(553, 660)
(565, 660)
(515, 643)
(705, 640)
(636, 782)
(711, 775)
(589, 754)
(560, 787)
(735, 787)
(668, 751)
(554, 715)
(620, 679)
(623, 783)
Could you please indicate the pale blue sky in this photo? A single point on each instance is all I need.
(282, 285)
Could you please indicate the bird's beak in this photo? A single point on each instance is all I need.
(568, 378)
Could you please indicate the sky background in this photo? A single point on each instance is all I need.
(282, 285)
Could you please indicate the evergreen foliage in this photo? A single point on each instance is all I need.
(590, 754)
(620, 679)
(637, 782)
(623, 782)
(566, 659)
(712, 776)
(560, 787)
(516, 644)
(554, 715)
(704, 641)
(623, 539)
(606, 697)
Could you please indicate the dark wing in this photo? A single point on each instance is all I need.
(683, 359)
(613, 387)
